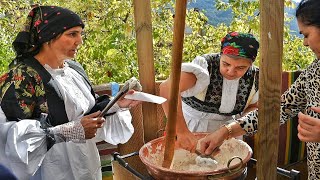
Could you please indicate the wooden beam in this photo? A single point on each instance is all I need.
(271, 42)
(178, 36)
(143, 28)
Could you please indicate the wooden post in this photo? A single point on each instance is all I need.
(271, 42)
(143, 28)
(144, 116)
(178, 36)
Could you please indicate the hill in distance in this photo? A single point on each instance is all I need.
(216, 17)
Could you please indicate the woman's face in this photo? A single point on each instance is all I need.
(233, 68)
(311, 37)
(65, 46)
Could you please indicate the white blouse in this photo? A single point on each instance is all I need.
(199, 121)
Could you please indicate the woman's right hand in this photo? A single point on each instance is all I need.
(91, 123)
(186, 140)
(308, 127)
(210, 143)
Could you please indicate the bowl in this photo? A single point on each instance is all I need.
(232, 161)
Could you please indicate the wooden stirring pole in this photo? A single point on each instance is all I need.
(178, 35)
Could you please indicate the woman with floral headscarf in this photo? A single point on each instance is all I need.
(49, 115)
(215, 87)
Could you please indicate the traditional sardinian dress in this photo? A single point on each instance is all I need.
(303, 94)
(66, 96)
(213, 100)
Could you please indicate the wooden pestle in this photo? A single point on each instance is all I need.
(178, 36)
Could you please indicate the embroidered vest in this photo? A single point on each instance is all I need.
(55, 105)
(212, 101)
(56, 108)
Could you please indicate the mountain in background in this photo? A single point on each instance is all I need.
(216, 17)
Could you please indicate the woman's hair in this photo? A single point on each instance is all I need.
(308, 12)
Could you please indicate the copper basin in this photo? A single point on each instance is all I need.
(230, 171)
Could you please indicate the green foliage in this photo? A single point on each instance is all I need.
(295, 55)
(109, 49)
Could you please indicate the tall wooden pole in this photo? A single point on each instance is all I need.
(178, 36)
(143, 28)
(271, 42)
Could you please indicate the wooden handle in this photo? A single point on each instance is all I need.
(178, 36)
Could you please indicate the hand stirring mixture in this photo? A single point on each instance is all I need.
(206, 160)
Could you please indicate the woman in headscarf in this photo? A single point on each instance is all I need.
(215, 88)
(49, 111)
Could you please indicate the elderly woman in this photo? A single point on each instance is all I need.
(215, 87)
(50, 116)
(301, 99)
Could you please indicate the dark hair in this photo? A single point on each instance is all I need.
(308, 12)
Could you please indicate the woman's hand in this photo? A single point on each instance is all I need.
(91, 123)
(309, 127)
(128, 103)
(186, 140)
(213, 140)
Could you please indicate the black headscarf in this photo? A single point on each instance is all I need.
(43, 24)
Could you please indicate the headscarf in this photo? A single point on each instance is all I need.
(43, 24)
(240, 44)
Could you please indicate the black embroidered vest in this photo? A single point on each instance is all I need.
(57, 114)
(212, 101)
(56, 108)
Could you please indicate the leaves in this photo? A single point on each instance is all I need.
(109, 49)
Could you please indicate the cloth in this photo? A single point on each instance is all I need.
(145, 97)
(65, 160)
(23, 145)
(43, 24)
(229, 95)
(198, 121)
(114, 88)
(240, 44)
(6, 174)
(134, 83)
(205, 120)
(74, 89)
(301, 95)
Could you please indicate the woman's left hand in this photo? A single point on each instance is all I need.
(128, 103)
(309, 127)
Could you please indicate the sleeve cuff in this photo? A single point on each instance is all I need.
(114, 108)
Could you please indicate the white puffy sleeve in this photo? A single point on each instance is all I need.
(117, 128)
(22, 146)
(198, 67)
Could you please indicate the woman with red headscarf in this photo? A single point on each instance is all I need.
(214, 88)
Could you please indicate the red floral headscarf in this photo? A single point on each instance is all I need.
(240, 44)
